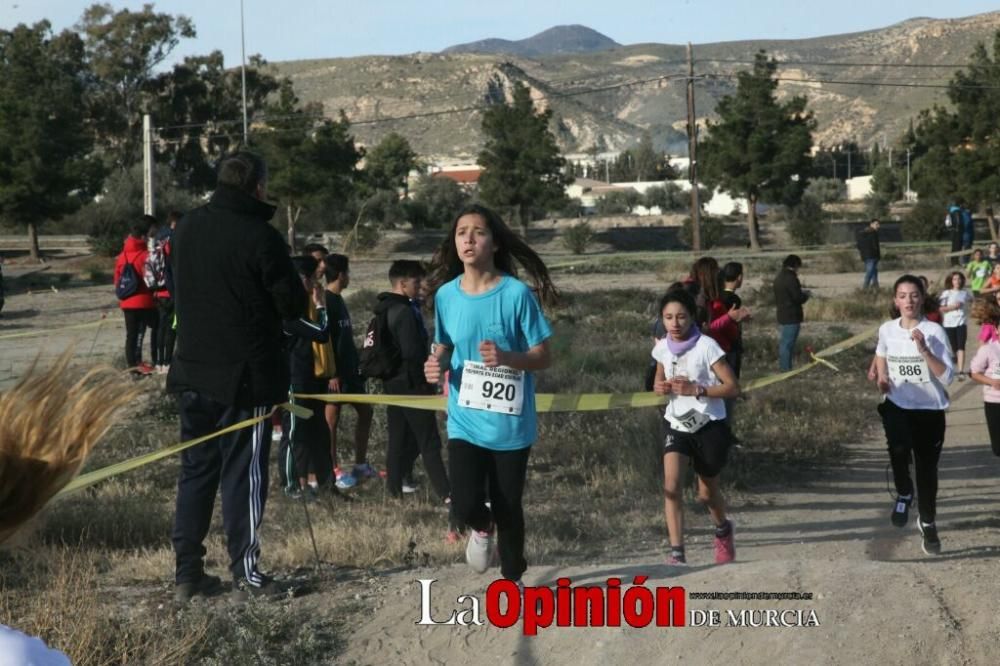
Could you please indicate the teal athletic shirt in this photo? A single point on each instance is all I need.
(510, 316)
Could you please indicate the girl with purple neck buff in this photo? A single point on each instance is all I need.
(692, 369)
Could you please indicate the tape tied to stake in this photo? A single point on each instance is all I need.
(90, 478)
(544, 402)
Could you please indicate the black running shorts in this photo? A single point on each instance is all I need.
(708, 448)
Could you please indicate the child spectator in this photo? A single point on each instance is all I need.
(347, 380)
(310, 358)
(411, 431)
(136, 301)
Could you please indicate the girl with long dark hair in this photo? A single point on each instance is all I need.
(490, 335)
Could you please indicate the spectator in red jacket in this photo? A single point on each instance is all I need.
(139, 308)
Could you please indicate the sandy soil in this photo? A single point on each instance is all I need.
(877, 597)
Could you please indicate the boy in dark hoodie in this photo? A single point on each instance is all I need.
(411, 431)
(306, 461)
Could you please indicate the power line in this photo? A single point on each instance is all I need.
(440, 112)
(872, 84)
(904, 65)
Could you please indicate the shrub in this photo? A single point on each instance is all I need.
(442, 198)
(877, 205)
(107, 220)
(807, 225)
(925, 222)
(826, 190)
(578, 237)
(712, 231)
(619, 202)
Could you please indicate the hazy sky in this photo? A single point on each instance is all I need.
(295, 29)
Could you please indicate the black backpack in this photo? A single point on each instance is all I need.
(380, 357)
(128, 281)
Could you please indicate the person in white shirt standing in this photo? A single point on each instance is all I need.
(955, 302)
(913, 367)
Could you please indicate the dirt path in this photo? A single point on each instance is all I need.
(877, 597)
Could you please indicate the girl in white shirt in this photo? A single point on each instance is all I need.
(913, 366)
(692, 368)
(955, 302)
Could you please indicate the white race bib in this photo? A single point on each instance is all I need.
(906, 365)
(690, 421)
(499, 389)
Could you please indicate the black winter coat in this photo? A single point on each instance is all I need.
(789, 297)
(234, 284)
(868, 244)
(410, 336)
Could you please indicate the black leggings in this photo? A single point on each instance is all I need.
(993, 424)
(136, 323)
(309, 449)
(919, 432)
(473, 468)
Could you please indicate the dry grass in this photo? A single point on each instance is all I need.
(95, 579)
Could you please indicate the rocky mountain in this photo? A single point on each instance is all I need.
(559, 40)
(863, 87)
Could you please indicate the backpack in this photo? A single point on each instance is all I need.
(155, 269)
(128, 281)
(380, 357)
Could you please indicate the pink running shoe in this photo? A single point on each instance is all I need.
(725, 550)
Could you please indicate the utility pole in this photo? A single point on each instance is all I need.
(243, 74)
(148, 204)
(692, 127)
(907, 194)
(848, 163)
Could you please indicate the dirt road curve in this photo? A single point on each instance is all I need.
(877, 597)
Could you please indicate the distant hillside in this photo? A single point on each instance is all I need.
(610, 97)
(560, 40)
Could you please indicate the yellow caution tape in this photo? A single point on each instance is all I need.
(544, 402)
(590, 402)
(98, 475)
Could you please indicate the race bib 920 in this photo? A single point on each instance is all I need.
(499, 389)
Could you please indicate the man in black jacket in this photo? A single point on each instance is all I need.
(871, 253)
(411, 431)
(233, 286)
(788, 299)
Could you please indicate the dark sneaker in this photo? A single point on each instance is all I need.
(901, 510)
(931, 544)
(243, 590)
(206, 586)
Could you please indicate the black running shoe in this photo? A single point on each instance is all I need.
(931, 544)
(901, 510)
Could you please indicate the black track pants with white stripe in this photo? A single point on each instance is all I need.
(238, 462)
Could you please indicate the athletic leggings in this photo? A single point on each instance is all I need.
(919, 432)
(993, 424)
(476, 471)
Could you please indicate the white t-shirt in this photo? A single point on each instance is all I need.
(696, 365)
(17, 649)
(955, 318)
(912, 384)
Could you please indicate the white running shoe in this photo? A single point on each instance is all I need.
(479, 550)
